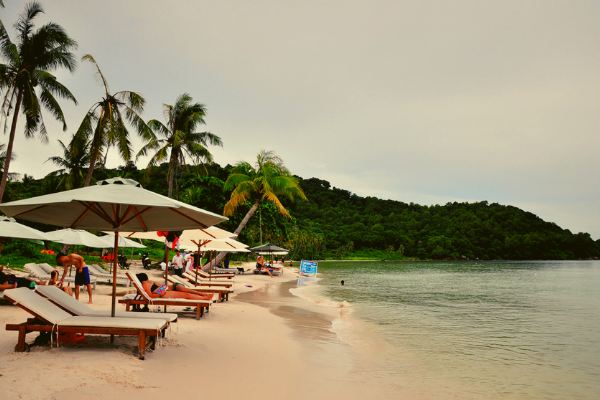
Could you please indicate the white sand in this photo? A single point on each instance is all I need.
(237, 350)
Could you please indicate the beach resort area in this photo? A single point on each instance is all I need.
(240, 349)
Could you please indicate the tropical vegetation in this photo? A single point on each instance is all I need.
(105, 122)
(178, 140)
(26, 84)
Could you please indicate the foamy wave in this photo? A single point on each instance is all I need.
(311, 293)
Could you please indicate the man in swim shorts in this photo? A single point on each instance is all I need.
(82, 274)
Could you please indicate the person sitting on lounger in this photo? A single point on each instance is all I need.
(82, 274)
(170, 291)
(54, 282)
(260, 263)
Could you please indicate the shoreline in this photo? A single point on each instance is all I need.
(238, 348)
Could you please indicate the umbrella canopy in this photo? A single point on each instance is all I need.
(267, 248)
(114, 205)
(110, 205)
(188, 237)
(9, 228)
(275, 253)
(76, 237)
(109, 241)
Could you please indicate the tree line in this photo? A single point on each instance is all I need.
(334, 223)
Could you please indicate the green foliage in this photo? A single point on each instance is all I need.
(474, 230)
(336, 224)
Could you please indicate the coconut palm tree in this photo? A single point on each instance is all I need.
(105, 121)
(26, 85)
(73, 163)
(11, 175)
(178, 139)
(266, 180)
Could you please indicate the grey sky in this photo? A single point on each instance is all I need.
(425, 102)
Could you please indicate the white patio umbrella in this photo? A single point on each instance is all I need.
(9, 228)
(75, 237)
(109, 241)
(112, 205)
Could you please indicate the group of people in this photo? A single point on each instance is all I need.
(82, 276)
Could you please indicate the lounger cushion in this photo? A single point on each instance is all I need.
(56, 316)
(77, 308)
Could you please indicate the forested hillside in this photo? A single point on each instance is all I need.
(476, 230)
(335, 223)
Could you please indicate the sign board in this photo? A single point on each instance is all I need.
(308, 267)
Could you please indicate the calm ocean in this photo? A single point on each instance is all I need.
(517, 330)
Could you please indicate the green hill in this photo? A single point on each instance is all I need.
(336, 223)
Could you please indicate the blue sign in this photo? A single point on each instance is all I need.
(308, 267)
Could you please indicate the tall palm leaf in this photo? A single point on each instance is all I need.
(266, 180)
(26, 84)
(73, 163)
(105, 121)
(177, 140)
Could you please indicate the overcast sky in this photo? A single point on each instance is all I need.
(417, 101)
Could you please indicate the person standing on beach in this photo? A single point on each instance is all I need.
(178, 263)
(82, 274)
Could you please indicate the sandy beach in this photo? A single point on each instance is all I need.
(240, 349)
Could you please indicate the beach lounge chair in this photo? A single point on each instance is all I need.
(206, 275)
(198, 281)
(50, 319)
(42, 271)
(222, 291)
(220, 270)
(100, 273)
(75, 307)
(144, 299)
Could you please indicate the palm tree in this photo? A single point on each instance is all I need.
(267, 180)
(105, 124)
(178, 139)
(25, 81)
(11, 175)
(73, 163)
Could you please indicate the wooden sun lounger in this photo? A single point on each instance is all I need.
(51, 319)
(222, 291)
(189, 276)
(75, 307)
(206, 275)
(144, 299)
(100, 273)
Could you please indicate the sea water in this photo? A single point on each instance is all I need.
(464, 330)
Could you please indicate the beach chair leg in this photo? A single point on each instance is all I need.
(21, 340)
(142, 345)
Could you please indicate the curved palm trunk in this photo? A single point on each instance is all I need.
(88, 178)
(222, 254)
(11, 141)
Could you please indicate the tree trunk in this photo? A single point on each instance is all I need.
(222, 254)
(172, 170)
(11, 141)
(88, 178)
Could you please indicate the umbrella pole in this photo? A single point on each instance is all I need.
(198, 266)
(114, 291)
(167, 272)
